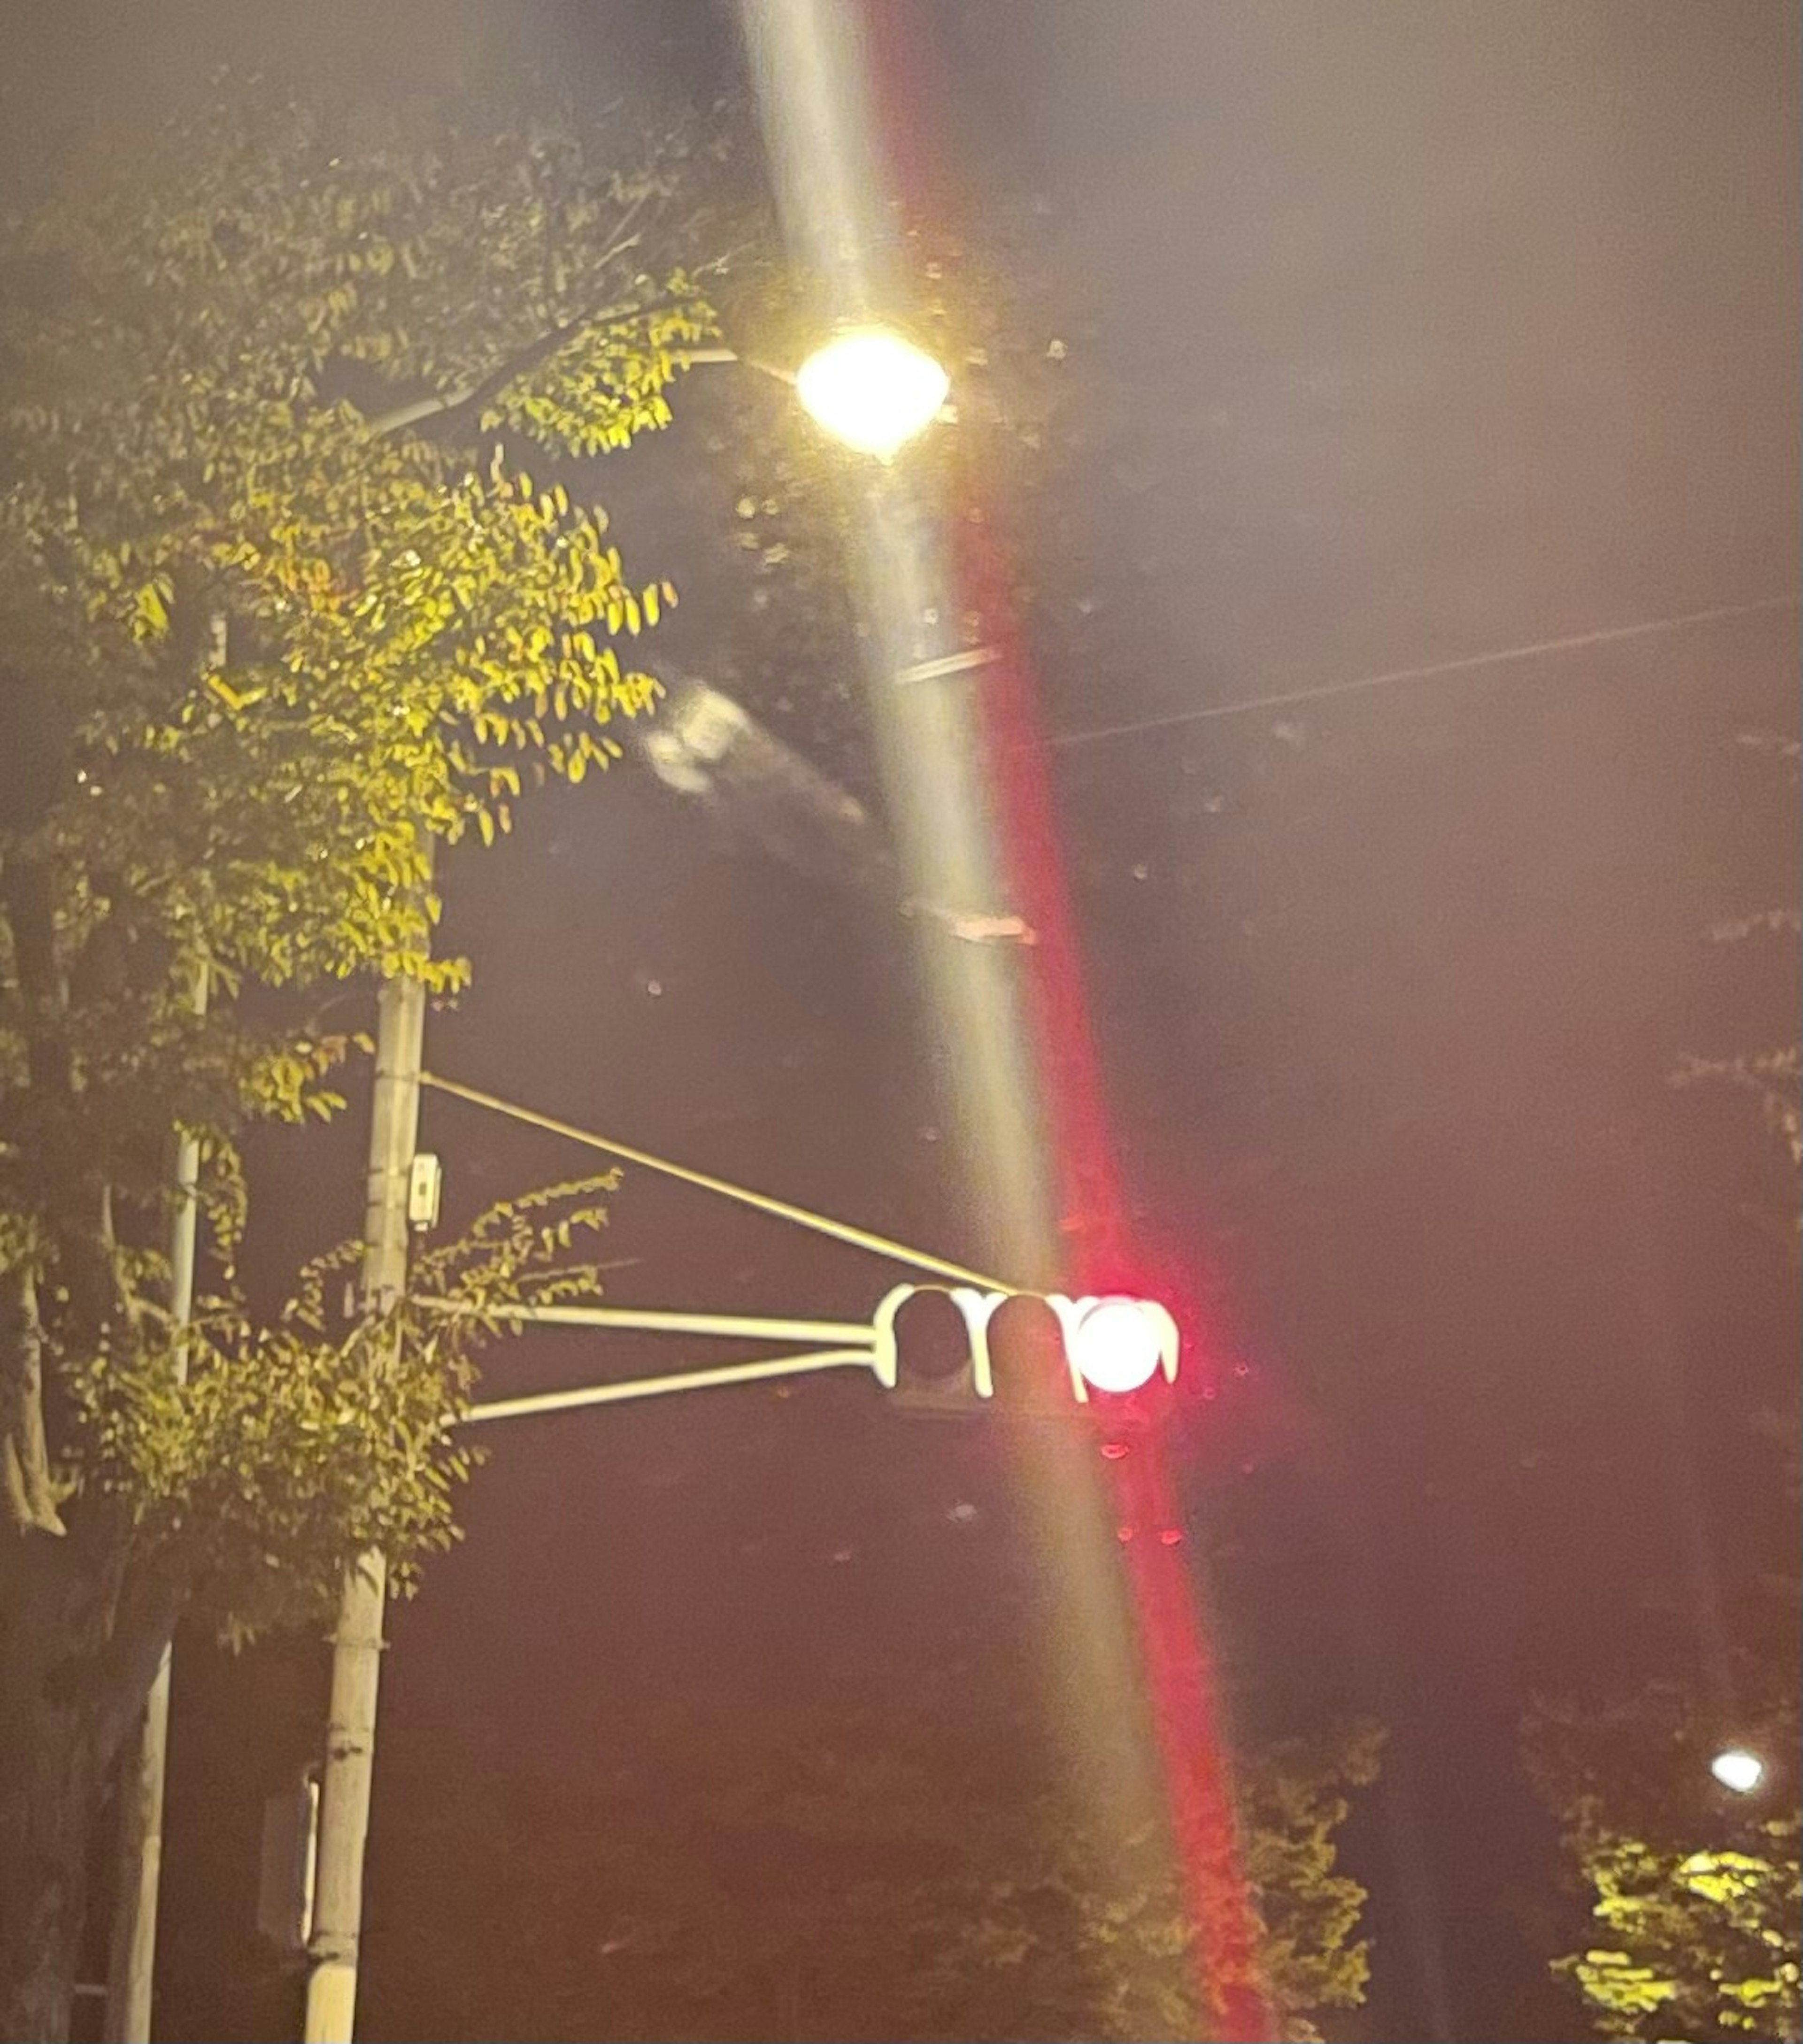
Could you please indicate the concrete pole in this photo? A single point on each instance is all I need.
(132, 1961)
(356, 1647)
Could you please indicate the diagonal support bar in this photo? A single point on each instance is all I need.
(840, 1230)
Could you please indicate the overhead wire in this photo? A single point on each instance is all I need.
(1434, 671)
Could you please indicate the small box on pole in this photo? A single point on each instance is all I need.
(425, 1185)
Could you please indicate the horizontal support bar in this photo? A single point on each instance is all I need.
(659, 1387)
(723, 1327)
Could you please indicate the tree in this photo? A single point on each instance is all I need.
(280, 609)
(1696, 1906)
(922, 1867)
(1693, 1894)
(1769, 1074)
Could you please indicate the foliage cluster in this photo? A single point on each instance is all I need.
(1693, 1893)
(908, 1870)
(282, 607)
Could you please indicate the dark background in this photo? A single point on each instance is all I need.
(1393, 334)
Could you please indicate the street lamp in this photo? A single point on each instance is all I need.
(872, 389)
(1739, 1771)
(875, 390)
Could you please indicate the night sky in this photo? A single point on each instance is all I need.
(1396, 334)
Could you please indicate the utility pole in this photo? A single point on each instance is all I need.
(356, 1647)
(132, 1960)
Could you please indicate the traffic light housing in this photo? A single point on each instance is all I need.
(1114, 1344)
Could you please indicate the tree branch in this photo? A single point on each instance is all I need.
(149, 1604)
(26, 1492)
(474, 395)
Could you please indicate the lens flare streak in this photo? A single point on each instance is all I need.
(843, 104)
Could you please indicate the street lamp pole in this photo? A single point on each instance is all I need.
(356, 1647)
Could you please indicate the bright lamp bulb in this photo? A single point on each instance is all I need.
(1739, 1770)
(872, 390)
(1116, 1346)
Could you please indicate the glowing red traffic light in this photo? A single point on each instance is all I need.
(1115, 1344)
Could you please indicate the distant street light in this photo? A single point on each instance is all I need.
(872, 389)
(1738, 1770)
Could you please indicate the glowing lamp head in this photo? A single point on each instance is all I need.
(1117, 1344)
(871, 389)
(1738, 1770)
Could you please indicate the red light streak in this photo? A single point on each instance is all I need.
(1173, 1640)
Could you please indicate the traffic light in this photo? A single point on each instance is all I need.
(945, 1334)
(1039, 1351)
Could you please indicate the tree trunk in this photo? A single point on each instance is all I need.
(28, 1500)
(49, 1796)
(80, 1638)
(51, 1762)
